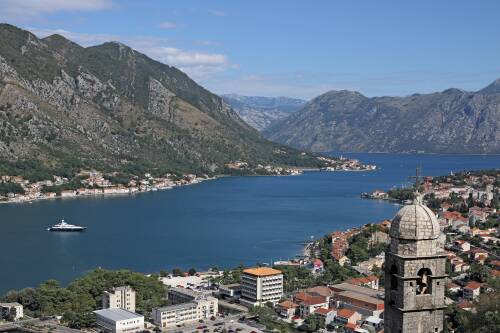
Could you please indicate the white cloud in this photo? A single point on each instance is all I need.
(217, 12)
(198, 65)
(167, 25)
(25, 9)
(206, 42)
(83, 39)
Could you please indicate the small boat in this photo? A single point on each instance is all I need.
(63, 226)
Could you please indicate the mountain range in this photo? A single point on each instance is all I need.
(451, 121)
(262, 112)
(112, 108)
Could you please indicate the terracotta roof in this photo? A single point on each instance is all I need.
(321, 291)
(495, 273)
(323, 311)
(464, 304)
(473, 285)
(288, 304)
(345, 313)
(313, 300)
(318, 262)
(262, 271)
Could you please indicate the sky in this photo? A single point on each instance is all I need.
(289, 47)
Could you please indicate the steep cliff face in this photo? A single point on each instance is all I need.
(111, 107)
(452, 121)
(262, 112)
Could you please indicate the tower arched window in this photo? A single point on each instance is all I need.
(394, 279)
(424, 285)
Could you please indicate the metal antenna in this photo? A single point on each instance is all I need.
(417, 178)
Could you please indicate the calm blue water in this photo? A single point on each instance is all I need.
(223, 222)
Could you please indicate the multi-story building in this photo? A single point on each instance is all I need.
(261, 285)
(230, 291)
(188, 305)
(119, 321)
(119, 298)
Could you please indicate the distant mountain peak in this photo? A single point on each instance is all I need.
(260, 112)
(441, 122)
(492, 88)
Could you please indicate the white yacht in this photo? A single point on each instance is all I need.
(63, 226)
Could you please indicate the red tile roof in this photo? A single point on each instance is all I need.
(323, 311)
(473, 285)
(345, 313)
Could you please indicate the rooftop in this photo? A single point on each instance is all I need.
(363, 298)
(345, 313)
(323, 311)
(117, 314)
(177, 307)
(262, 271)
(357, 289)
(415, 222)
(10, 304)
(473, 285)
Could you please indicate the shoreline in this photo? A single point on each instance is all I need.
(99, 195)
(196, 181)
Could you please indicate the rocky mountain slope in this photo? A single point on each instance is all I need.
(113, 108)
(262, 112)
(452, 121)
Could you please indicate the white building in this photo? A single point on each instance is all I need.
(119, 321)
(119, 298)
(11, 309)
(200, 308)
(261, 285)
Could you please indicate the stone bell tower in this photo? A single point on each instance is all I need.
(414, 272)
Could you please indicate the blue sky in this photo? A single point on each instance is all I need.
(291, 48)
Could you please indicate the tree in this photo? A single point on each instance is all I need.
(313, 323)
(192, 271)
(177, 272)
(485, 318)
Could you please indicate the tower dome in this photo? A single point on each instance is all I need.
(415, 222)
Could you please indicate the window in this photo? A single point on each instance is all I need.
(394, 278)
(424, 281)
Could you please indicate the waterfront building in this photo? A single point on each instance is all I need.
(414, 272)
(119, 321)
(119, 298)
(182, 313)
(188, 306)
(12, 311)
(261, 285)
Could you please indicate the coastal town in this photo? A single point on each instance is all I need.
(16, 188)
(339, 284)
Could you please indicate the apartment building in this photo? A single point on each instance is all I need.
(261, 285)
(188, 306)
(119, 298)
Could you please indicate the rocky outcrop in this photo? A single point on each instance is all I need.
(113, 108)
